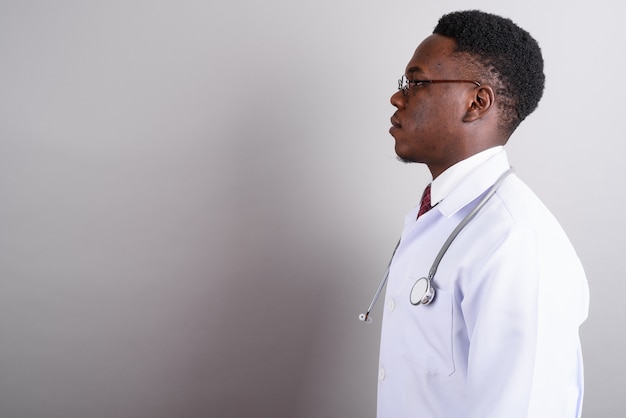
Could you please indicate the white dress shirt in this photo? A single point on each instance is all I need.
(500, 338)
(449, 179)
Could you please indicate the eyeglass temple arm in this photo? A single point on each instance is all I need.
(443, 81)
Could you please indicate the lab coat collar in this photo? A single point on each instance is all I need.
(474, 184)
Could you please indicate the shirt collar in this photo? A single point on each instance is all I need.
(468, 179)
(447, 181)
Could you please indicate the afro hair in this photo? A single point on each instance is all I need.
(505, 54)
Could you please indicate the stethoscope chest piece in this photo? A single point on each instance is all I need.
(422, 292)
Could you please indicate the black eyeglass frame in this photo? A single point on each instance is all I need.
(404, 83)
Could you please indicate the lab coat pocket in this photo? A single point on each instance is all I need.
(429, 334)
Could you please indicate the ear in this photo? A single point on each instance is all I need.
(480, 103)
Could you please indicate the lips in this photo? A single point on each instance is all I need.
(395, 123)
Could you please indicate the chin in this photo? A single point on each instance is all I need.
(402, 156)
(404, 160)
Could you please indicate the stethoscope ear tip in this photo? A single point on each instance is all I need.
(365, 318)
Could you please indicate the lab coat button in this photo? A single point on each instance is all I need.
(381, 373)
(391, 305)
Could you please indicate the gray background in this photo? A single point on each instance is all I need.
(198, 198)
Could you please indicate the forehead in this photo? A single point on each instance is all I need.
(434, 56)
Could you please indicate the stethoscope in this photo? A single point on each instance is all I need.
(423, 292)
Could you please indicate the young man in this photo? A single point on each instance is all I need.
(500, 337)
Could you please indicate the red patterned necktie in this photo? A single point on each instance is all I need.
(425, 203)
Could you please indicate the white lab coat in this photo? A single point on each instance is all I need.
(500, 338)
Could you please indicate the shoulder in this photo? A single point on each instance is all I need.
(516, 222)
(524, 215)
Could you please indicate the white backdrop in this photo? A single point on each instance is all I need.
(197, 198)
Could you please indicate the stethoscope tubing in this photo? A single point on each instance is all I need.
(365, 317)
(471, 215)
(444, 248)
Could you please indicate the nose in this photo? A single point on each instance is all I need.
(398, 99)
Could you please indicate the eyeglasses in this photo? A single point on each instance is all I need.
(404, 83)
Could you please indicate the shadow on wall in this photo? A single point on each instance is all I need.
(269, 287)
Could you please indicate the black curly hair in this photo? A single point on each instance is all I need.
(503, 54)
